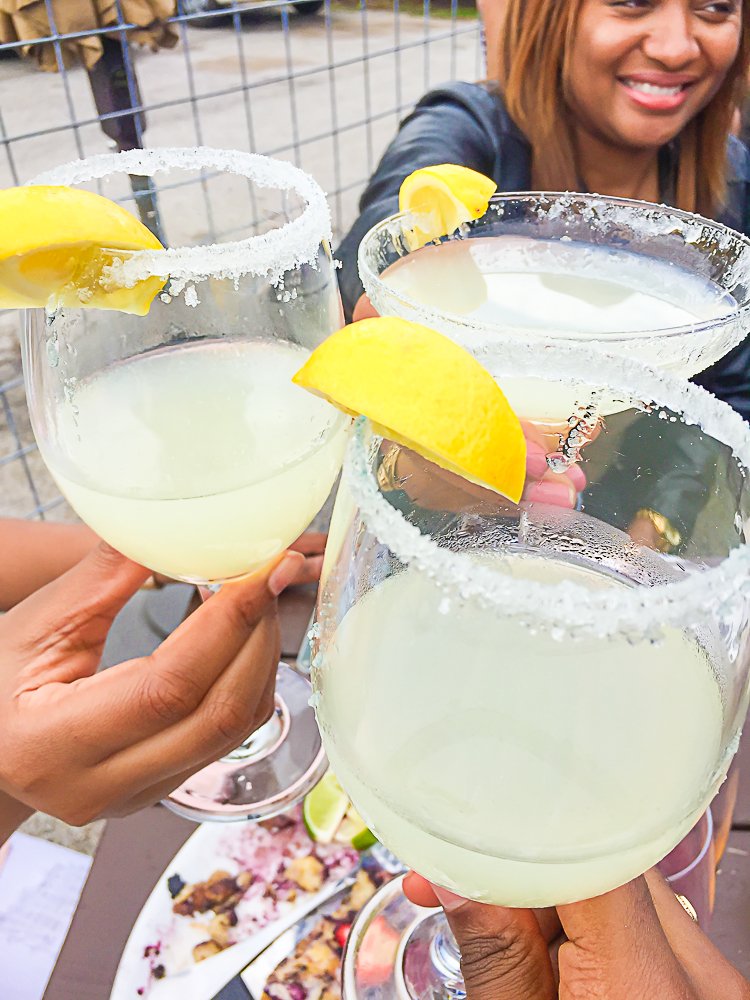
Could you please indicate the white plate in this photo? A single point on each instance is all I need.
(232, 848)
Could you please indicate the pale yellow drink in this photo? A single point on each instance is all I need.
(530, 288)
(200, 462)
(506, 765)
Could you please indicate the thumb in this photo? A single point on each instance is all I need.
(503, 953)
(78, 607)
(617, 949)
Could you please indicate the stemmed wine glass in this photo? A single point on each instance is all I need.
(527, 706)
(179, 437)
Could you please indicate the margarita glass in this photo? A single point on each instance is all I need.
(179, 437)
(525, 705)
(631, 278)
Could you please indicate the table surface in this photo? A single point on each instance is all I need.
(135, 851)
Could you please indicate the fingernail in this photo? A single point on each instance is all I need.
(536, 463)
(285, 573)
(557, 494)
(449, 900)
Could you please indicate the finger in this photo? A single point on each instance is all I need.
(535, 437)
(189, 661)
(234, 707)
(364, 309)
(537, 467)
(711, 974)
(419, 890)
(165, 786)
(555, 490)
(617, 942)
(536, 460)
(421, 893)
(73, 614)
(503, 953)
(310, 572)
(312, 543)
(140, 698)
(577, 477)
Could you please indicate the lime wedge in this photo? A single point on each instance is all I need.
(329, 815)
(324, 808)
(353, 830)
(364, 839)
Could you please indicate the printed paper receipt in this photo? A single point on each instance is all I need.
(40, 884)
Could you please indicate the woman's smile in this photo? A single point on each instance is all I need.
(656, 91)
(638, 72)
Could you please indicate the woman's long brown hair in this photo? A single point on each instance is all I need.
(534, 47)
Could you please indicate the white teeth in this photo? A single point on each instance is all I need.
(652, 88)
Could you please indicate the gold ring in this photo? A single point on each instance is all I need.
(687, 906)
(669, 537)
(387, 475)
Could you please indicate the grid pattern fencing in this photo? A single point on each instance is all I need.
(321, 84)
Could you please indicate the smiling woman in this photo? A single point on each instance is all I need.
(619, 84)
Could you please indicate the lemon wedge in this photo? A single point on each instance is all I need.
(443, 197)
(424, 391)
(56, 243)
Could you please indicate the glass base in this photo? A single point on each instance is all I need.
(269, 773)
(398, 950)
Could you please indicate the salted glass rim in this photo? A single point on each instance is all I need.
(569, 607)
(269, 255)
(632, 209)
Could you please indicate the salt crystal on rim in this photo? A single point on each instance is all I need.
(268, 255)
(601, 214)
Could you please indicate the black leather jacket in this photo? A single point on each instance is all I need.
(468, 124)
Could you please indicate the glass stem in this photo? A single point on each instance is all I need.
(259, 742)
(447, 961)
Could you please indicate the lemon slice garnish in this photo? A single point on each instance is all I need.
(443, 198)
(57, 243)
(424, 391)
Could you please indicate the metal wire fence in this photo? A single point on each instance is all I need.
(321, 84)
